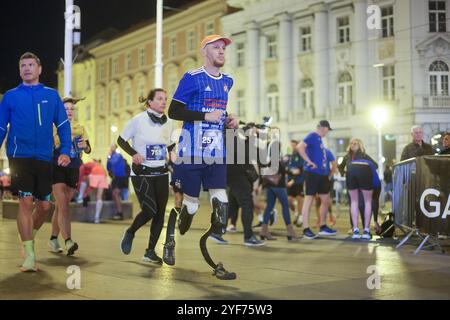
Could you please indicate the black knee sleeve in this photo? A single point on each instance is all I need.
(184, 220)
(219, 216)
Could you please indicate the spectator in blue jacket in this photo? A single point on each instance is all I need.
(31, 110)
(116, 167)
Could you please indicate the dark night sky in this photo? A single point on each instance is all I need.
(38, 26)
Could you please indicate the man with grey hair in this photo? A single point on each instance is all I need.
(417, 147)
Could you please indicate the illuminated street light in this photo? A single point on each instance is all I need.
(379, 116)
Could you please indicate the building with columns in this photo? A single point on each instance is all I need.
(125, 65)
(303, 61)
(113, 74)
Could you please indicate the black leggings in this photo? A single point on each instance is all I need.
(152, 194)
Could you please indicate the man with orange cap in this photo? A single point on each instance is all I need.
(200, 101)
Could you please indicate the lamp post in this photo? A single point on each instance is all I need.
(68, 48)
(158, 54)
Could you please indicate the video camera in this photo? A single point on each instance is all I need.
(266, 124)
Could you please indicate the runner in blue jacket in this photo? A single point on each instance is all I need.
(31, 110)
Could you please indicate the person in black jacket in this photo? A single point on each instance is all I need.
(445, 144)
(240, 178)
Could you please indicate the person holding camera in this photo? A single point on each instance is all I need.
(240, 179)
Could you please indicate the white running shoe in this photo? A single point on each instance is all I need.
(54, 246)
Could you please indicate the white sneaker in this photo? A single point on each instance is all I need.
(231, 228)
(54, 246)
(366, 235)
(356, 234)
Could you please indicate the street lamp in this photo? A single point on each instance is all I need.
(379, 117)
(158, 53)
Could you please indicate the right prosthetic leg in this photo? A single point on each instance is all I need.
(184, 220)
(219, 218)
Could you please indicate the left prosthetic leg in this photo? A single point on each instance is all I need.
(219, 218)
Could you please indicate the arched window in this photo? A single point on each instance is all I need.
(273, 101)
(439, 74)
(345, 89)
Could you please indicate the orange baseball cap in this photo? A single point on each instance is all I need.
(213, 38)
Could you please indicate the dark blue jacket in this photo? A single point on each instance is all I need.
(116, 165)
(30, 112)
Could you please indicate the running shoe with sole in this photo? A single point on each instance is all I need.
(29, 265)
(366, 235)
(356, 234)
(150, 256)
(326, 231)
(71, 247)
(127, 242)
(254, 242)
(218, 238)
(308, 234)
(54, 246)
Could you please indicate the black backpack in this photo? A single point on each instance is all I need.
(388, 227)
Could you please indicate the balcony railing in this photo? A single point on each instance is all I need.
(302, 114)
(340, 111)
(435, 101)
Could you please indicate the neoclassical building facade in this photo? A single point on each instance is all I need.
(122, 69)
(302, 61)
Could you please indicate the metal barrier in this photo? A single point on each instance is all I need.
(403, 193)
(412, 180)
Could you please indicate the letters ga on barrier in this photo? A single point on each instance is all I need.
(433, 194)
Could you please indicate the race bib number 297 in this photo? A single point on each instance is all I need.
(210, 139)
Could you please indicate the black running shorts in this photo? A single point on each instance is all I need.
(66, 175)
(31, 176)
(359, 176)
(119, 183)
(296, 190)
(316, 184)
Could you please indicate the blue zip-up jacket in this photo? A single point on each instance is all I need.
(31, 112)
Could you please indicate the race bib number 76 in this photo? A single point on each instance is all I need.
(156, 152)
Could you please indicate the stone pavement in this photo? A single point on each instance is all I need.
(333, 268)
